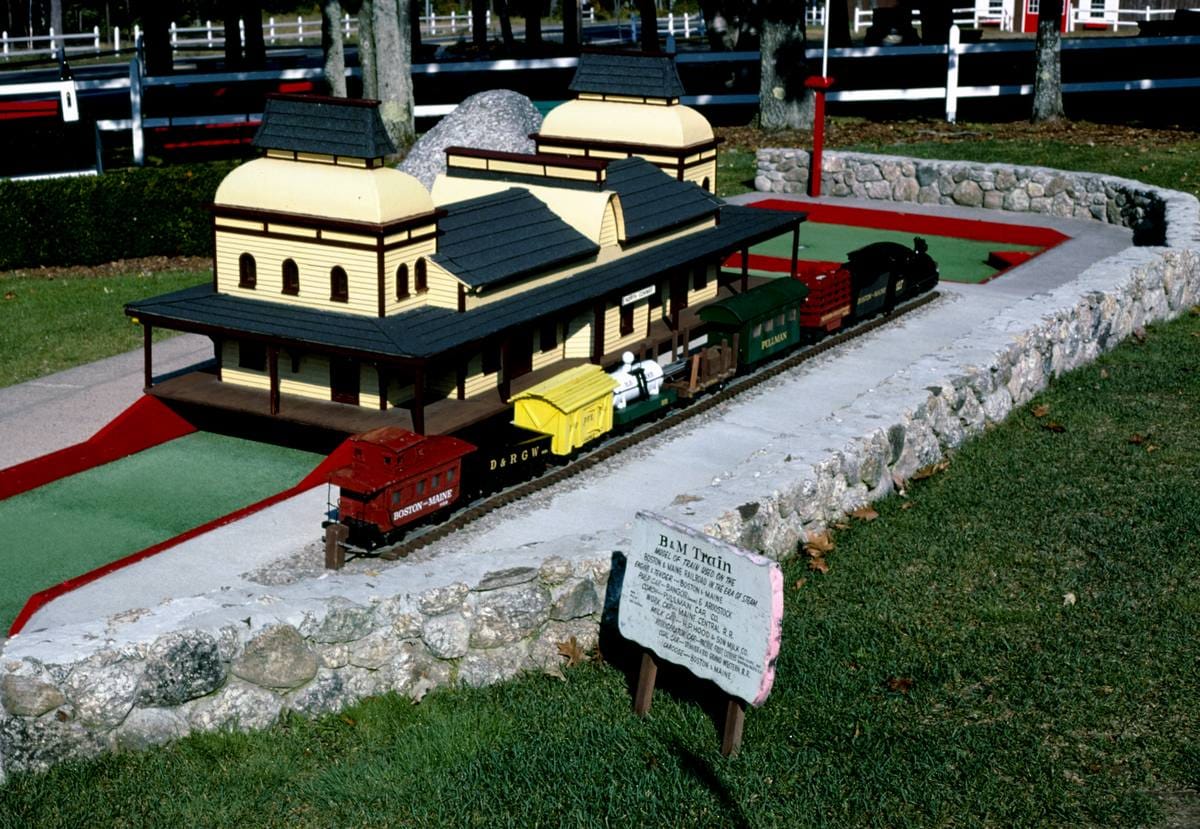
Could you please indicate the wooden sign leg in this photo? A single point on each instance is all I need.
(335, 550)
(735, 718)
(644, 694)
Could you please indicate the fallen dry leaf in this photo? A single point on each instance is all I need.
(1041, 411)
(908, 505)
(841, 525)
(931, 470)
(1151, 447)
(1136, 439)
(818, 544)
(799, 583)
(571, 650)
(865, 514)
(1103, 374)
(819, 564)
(1054, 426)
(1068, 599)
(901, 684)
(9, 295)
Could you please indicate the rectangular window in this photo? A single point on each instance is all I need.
(437, 479)
(548, 335)
(449, 476)
(700, 279)
(626, 320)
(420, 488)
(252, 356)
(491, 358)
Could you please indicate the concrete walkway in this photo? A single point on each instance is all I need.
(592, 511)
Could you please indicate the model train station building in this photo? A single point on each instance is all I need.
(346, 295)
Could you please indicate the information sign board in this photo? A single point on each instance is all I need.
(699, 602)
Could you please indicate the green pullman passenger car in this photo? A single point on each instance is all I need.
(765, 319)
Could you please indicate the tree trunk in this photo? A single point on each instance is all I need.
(506, 32)
(533, 24)
(56, 17)
(156, 31)
(570, 19)
(479, 29)
(233, 34)
(366, 49)
(255, 46)
(393, 61)
(839, 22)
(783, 100)
(332, 47)
(1047, 82)
(649, 23)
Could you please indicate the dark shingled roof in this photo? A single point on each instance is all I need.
(618, 73)
(652, 201)
(427, 332)
(330, 126)
(497, 238)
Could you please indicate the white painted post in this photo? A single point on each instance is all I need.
(345, 25)
(271, 30)
(952, 74)
(135, 113)
(687, 25)
(489, 18)
(96, 38)
(174, 35)
(53, 44)
(299, 27)
(453, 22)
(241, 30)
(5, 41)
(208, 34)
(137, 34)
(116, 38)
(433, 24)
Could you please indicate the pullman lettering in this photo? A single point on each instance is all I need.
(776, 340)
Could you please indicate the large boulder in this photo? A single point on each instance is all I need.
(499, 119)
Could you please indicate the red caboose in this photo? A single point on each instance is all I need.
(394, 478)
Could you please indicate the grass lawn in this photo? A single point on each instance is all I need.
(1011, 644)
(48, 324)
(103, 514)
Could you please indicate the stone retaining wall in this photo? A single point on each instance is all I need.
(1138, 206)
(224, 661)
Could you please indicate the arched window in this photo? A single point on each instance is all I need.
(705, 185)
(402, 282)
(291, 277)
(247, 271)
(422, 279)
(339, 285)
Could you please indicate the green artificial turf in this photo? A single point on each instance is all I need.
(76, 524)
(49, 324)
(959, 260)
(1013, 643)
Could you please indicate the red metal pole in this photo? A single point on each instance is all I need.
(819, 85)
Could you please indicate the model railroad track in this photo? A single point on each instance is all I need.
(616, 445)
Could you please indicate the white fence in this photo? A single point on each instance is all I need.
(51, 43)
(300, 31)
(971, 16)
(1116, 18)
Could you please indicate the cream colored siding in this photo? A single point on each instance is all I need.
(293, 230)
(409, 254)
(541, 359)
(579, 337)
(608, 227)
(353, 238)
(443, 288)
(368, 387)
(708, 293)
(314, 261)
(311, 381)
(477, 382)
(223, 221)
(701, 172)
(612, 326)
(232, 374)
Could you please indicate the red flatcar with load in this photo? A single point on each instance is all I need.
(394, 478)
